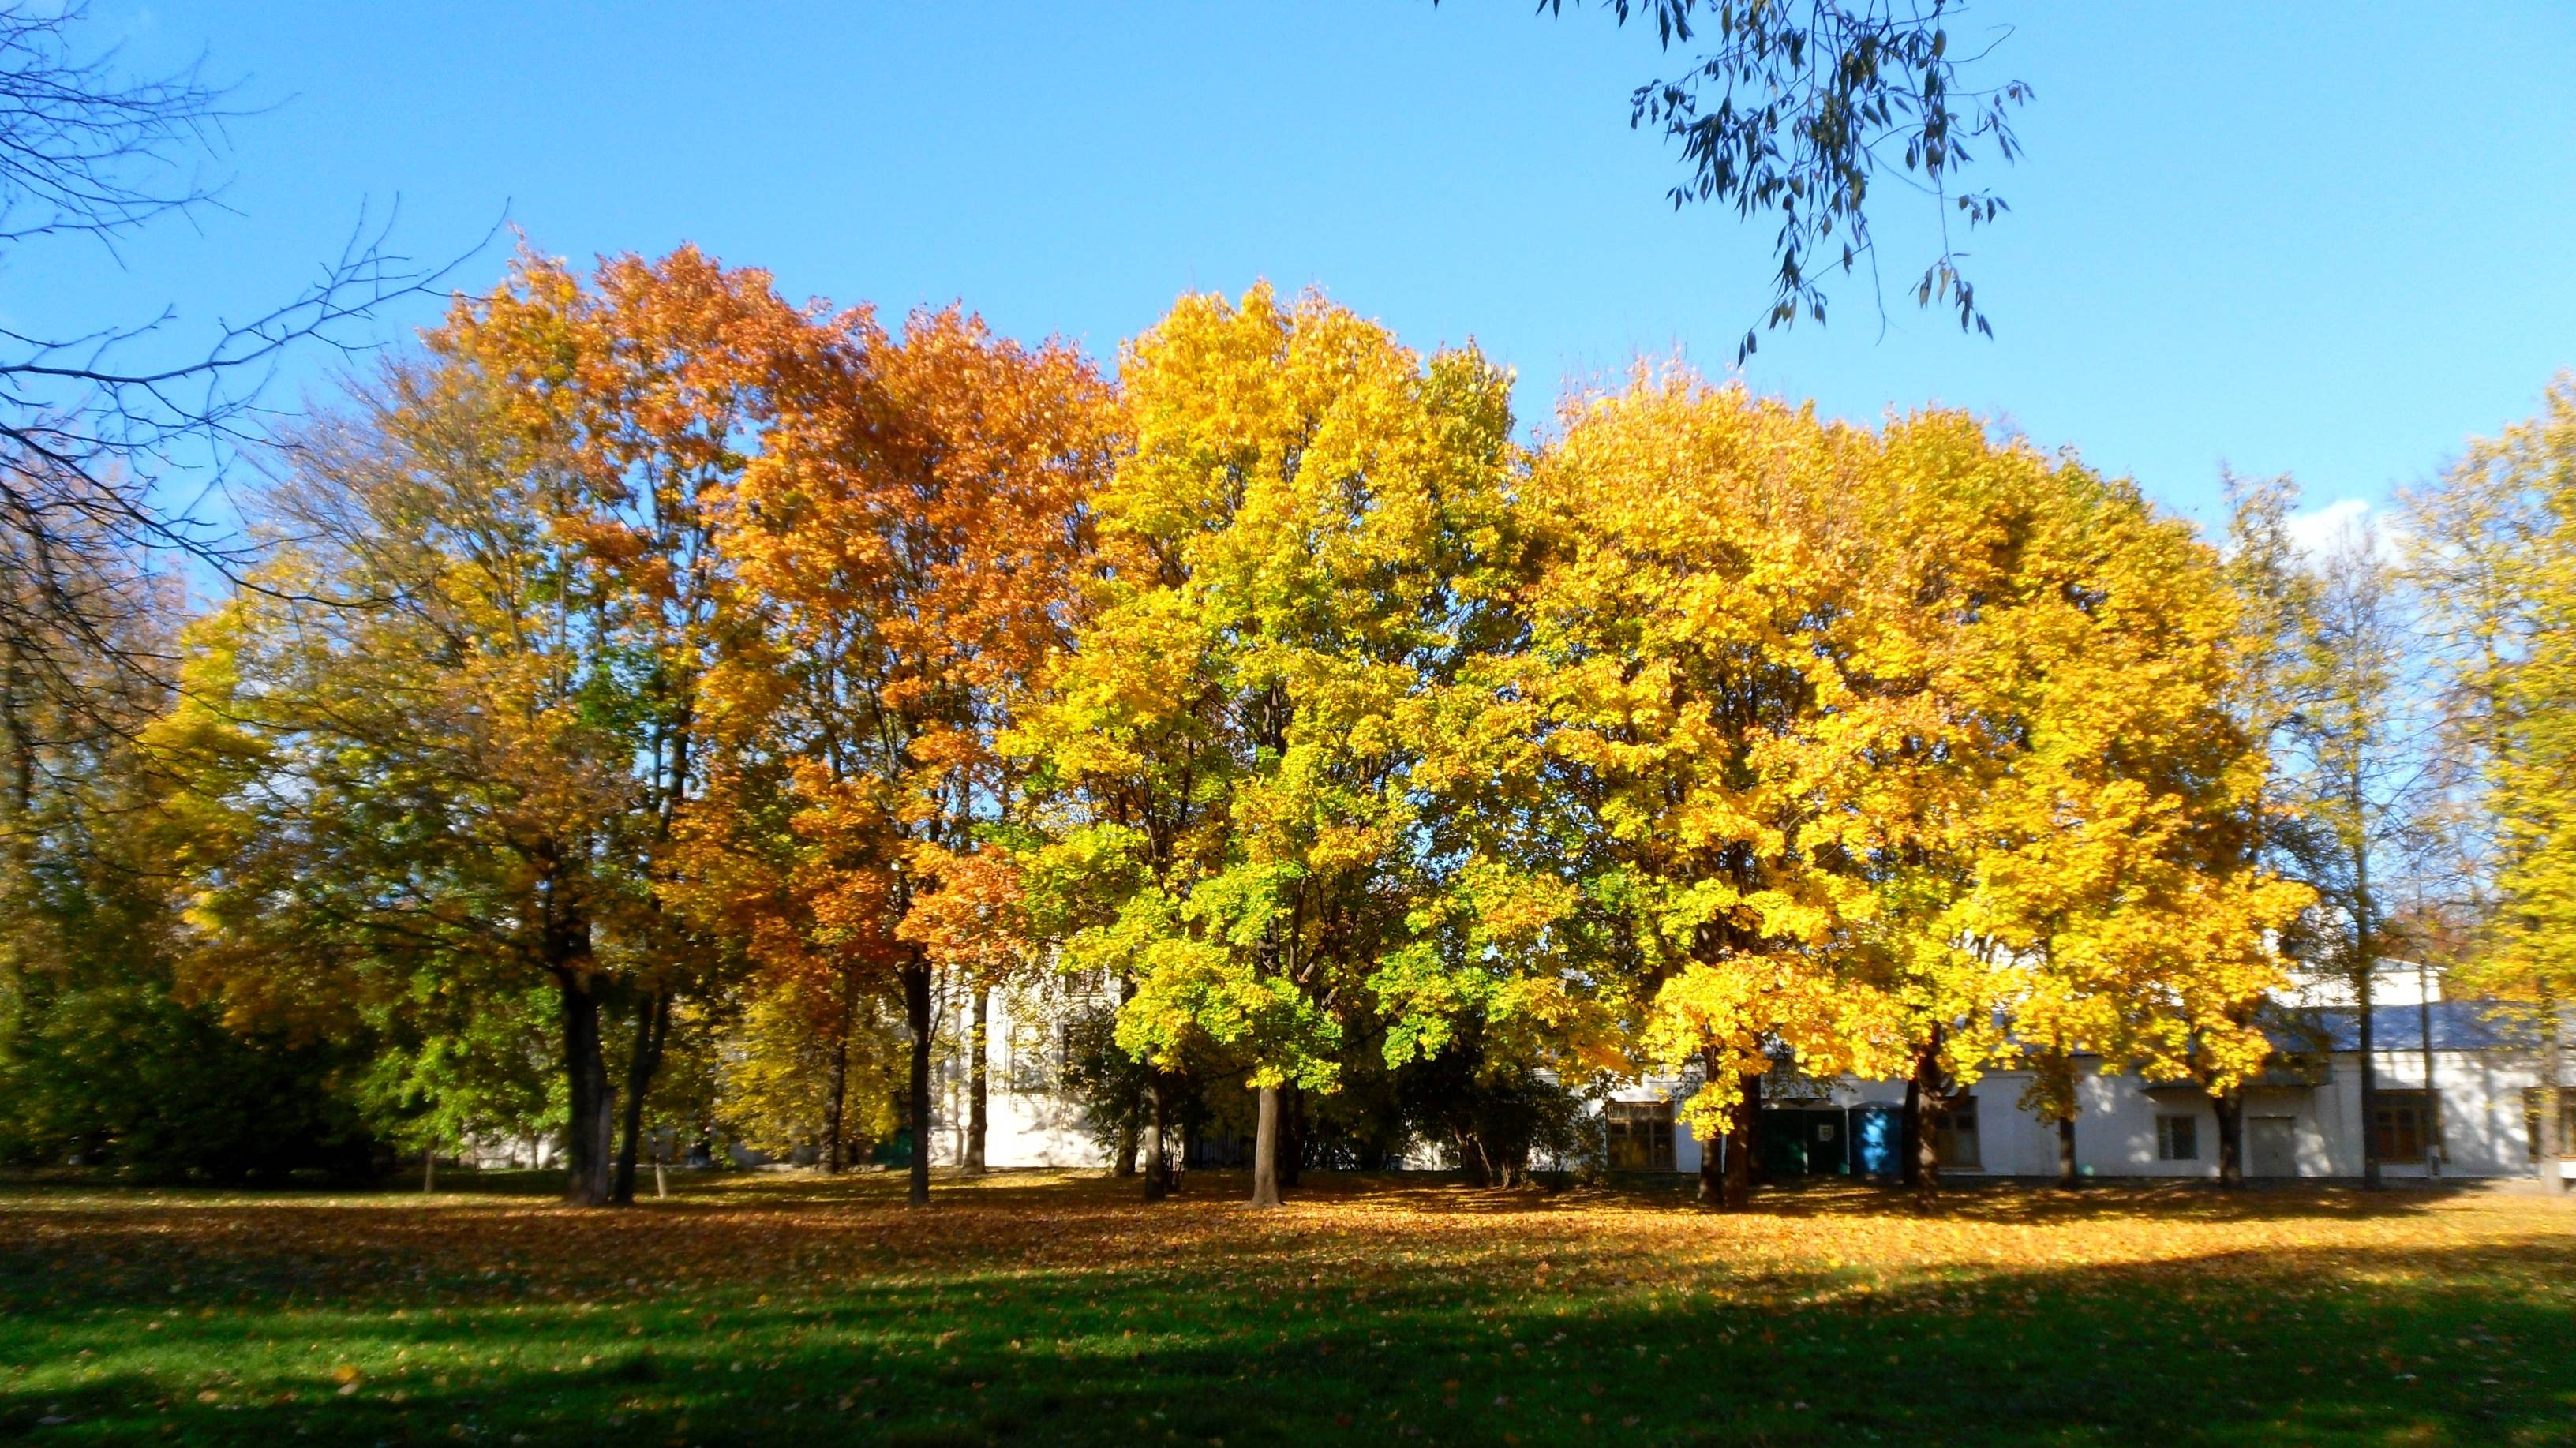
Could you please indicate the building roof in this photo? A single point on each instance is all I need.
(2458, 1025)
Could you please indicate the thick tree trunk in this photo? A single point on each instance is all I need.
(1735, 1191)
(1909, 1132)
(1265, 1150)
(1158, 1144)
(1928, 1094)
(1711, 1190)
(916, 1010)
(592, 1102)
(2067, 1174)
(2230, 1110)
(652, 1033)
(979, 1055)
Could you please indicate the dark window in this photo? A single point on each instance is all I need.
(2177, 1138)
(1089, 1051)
(2566, 1121)
(1641, 1135)
(1954, 1135)
(2397, 1126)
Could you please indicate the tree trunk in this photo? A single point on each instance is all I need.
(2067, 1175)
(1122, 1161)
(2369, 1080)
(1265, 1151)
(1909, 1132)
(1928, 1094)
(428, 1170)
(2432, 1082)
(836, 1106)
(1757, 1171)
(592, 1103)
(2551, 1064)
(1158, 1145)
(1736, 1189)
(661, 1177)
(916, 1010)
(1292, 1143)
(2230, 1109)
(652, 1032)
(1711, 1190)
(978, 1066)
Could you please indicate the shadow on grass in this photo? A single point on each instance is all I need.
(2256, 1347)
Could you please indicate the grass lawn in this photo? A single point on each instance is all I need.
(1050, 1309)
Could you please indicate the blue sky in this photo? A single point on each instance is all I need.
(2331, 240)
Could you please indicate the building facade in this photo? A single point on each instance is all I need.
(2464, 1109)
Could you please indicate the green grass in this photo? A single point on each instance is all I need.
(1043, 1309)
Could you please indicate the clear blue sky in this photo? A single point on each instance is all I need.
(2333, 240)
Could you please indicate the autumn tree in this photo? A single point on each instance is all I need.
(2491, 552)
(901, 559)
(1680, 738)
(1292, 552)
(2124, 868)
(2357, 772)
(454, 726)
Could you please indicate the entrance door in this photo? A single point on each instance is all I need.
(2272, 1145)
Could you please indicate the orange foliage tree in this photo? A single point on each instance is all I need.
(900, 560)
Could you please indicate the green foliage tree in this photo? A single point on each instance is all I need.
(1293, 555)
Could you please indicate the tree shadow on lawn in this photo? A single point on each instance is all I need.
(1977, 1199)
(2386, 1345)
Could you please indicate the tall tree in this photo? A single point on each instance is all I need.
(2491, 551)
(2125, 870)
(2359, 774)
(1293, 546)
(1683, 699)
(902, 558)
(458, 722)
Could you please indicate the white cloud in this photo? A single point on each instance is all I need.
(2320, 530)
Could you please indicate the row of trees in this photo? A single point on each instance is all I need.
(657, 698)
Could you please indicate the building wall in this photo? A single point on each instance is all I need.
(2116, 1135)
(1031, 1123)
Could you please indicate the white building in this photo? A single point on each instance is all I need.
(2301, 1121)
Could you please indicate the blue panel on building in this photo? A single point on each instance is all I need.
(1877, 1130)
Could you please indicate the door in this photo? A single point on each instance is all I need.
(1828, 1152)
(2272, 1146)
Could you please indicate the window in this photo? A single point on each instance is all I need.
(1641, 1135)
(1089, 1039)
(2397, 1126)
(1954, 1135)
(2566, 1121)
(2177, 1138)
(1029, 1071)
